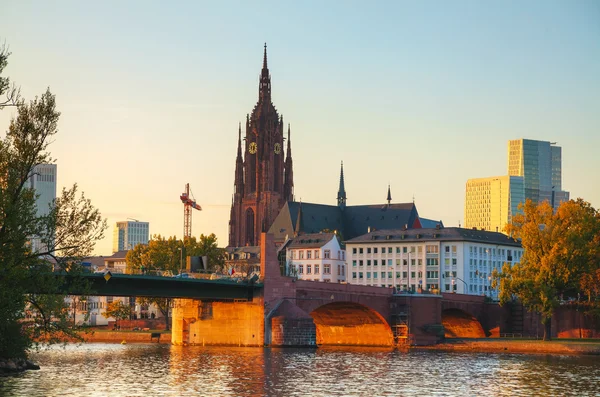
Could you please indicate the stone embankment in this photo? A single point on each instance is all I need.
(126, 336)
(557, 346)
(8, 366)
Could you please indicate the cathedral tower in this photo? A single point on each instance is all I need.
(263, 180)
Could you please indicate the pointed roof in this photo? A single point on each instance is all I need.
(239, 152)
(289, 144)
(342, 189)
(389, 196)
(265, 59)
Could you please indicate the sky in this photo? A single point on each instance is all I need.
(421, 95)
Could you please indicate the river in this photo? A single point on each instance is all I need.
(164, 370)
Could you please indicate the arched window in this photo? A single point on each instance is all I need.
(249, 226)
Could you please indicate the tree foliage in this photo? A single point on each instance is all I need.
(67, 230)
(117, 310)
(163, 253)
(560, 259)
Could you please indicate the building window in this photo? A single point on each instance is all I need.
(432, 249)
(343, 255)
(389, 250)
(300, 254)
(368, 250)
(405, 249)
(368, 262)
(404, 274)
(412, 275)
(326, 268)
(368, 275)
(354, 263)
(327, 254)
(447, 248)
(316, 269)
(397, 250)
(360, 275)
(308, 254)
(300, 269)
(339, 255)
(390, 262)
(447, 287)
(354, 252)
(454, 249)
(360, 262)
(375, 250)
(375, 262)
(354, 275)
(374, 274)
(397, 274)
(389, 275)
(342, 269)
(454, 261)
(382, 275)
(360, 250)
(308, 269)
(316, 254)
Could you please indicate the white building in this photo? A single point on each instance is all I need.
(43, 181)
(128, 234)
(490, 203)
(435, 260)
(316, 257)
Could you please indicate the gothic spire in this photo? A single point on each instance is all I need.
(265, 80)
(239, 152)
(239, 165)
(341, 196)
(389, 196)
(288, 183)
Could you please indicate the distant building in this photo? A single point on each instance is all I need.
(128, 234)
(316, 257)
(490, 203)
(540, 165)
(243, 260)
(440, 259)
(43, 181)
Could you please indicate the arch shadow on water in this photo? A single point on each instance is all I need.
(350, 324)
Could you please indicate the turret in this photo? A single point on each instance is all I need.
(288, 184)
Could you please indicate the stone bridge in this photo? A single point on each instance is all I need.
(290, 312)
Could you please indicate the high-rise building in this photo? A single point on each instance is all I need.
(43, 181)
(263, 180)
(540, 165)
(128, 234)
(491, 202)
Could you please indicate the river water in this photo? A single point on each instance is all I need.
(164, 370)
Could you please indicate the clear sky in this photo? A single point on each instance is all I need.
(421, 95)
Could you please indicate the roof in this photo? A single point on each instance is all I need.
(430, 223)
(97, 261)
(313, 240)
(117, 255)
(428, 234)
(351, 222)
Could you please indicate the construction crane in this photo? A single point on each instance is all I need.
(188, 203)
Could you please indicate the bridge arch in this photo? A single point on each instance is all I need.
(460, 324)
(348, 323)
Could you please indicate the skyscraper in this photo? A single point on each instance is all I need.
(263, 180)
(490, 203)
(128, 234)
(43, 181)
(540, 165)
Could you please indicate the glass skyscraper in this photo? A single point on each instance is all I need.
(128, 234)
(540, 165)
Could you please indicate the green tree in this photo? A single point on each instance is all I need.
(559, 254)
(117, 310)
(67, 231)
(163, 304)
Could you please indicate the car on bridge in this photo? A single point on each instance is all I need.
(183, 275)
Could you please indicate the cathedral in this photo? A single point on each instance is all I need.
(264, 180)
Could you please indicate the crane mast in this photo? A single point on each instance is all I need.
(188, 204)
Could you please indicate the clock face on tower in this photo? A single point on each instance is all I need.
(277, 148)
(252, 148)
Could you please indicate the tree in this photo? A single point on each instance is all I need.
(163, 304)
(560, 252)
(67, 231)
(207, 246)
(117, 310)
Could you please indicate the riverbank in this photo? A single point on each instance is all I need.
(8, 366)
(524, 346)
(106, 336)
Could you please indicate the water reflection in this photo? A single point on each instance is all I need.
(143, 370)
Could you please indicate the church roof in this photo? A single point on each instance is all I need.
(430, 223)
(351, 222)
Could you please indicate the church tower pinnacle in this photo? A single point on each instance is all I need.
(264, 92)
(288, 185)
(341, 196)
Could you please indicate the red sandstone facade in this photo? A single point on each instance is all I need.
(263, 180)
